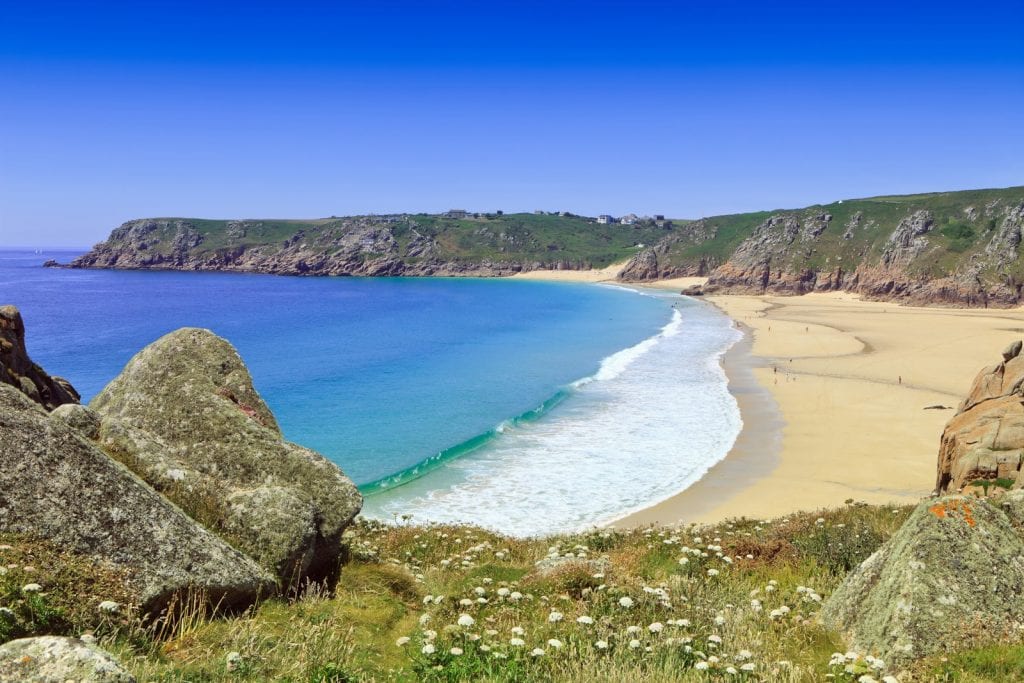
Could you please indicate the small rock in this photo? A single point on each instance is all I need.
(80, 418)
(1012, 351)
(52, 659)
(233, 661)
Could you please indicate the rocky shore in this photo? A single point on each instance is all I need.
(176, 476)
(950, 249)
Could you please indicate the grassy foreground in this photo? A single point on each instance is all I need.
(732, 602)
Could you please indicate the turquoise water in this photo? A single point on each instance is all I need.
(471, 382)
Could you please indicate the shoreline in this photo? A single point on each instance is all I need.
(836, 395)
(754, 454)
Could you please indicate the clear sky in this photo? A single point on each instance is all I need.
(111, 111)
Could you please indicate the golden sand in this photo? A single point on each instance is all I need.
(853, 382)
(836, 396)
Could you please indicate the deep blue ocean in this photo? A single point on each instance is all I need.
(473, 390)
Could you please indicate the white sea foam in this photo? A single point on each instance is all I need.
(650, 422)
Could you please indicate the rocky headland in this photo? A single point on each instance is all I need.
(949, 248)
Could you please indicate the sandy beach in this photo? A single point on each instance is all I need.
(854, 384)
(838, 400)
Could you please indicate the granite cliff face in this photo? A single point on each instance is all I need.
(984, 441)
(18, 370)
(957, 248)
(361, 245)
(184, 416)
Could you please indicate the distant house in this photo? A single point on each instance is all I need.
(629, 219)
(456, 213)
(605, 219)
(538, 212)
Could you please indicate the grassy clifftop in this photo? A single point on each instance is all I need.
(945, 247)
(858, 230)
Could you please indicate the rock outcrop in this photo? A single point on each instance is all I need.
(184, 415)
(361, 246)
(945, 248)
(57, 485)
(18, 370)
(984, 440)
(951, 576)
(51, 659)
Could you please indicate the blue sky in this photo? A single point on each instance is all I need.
(112, 111)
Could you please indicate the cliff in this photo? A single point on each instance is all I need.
(952, 248)
(411, 245)
(957, 248)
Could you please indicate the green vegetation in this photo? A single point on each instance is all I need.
(986, 484)
(842, 235)
(735, 601)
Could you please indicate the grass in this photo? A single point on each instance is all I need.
(684, 247)
(735, 601)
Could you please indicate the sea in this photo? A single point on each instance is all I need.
(522, 406)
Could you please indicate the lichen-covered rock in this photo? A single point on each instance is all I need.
(185, 416)
(985, 438)
(52, 659)
(953, 573)
(56, 485)
(18, 370)
(80, 418)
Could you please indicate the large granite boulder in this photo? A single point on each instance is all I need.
(51, 659)
(57, 485)
(18, 370)
(985, 438)
(952, 574)
(185, 416)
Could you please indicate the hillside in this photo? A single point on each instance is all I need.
(959, 248)
(402, 244)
